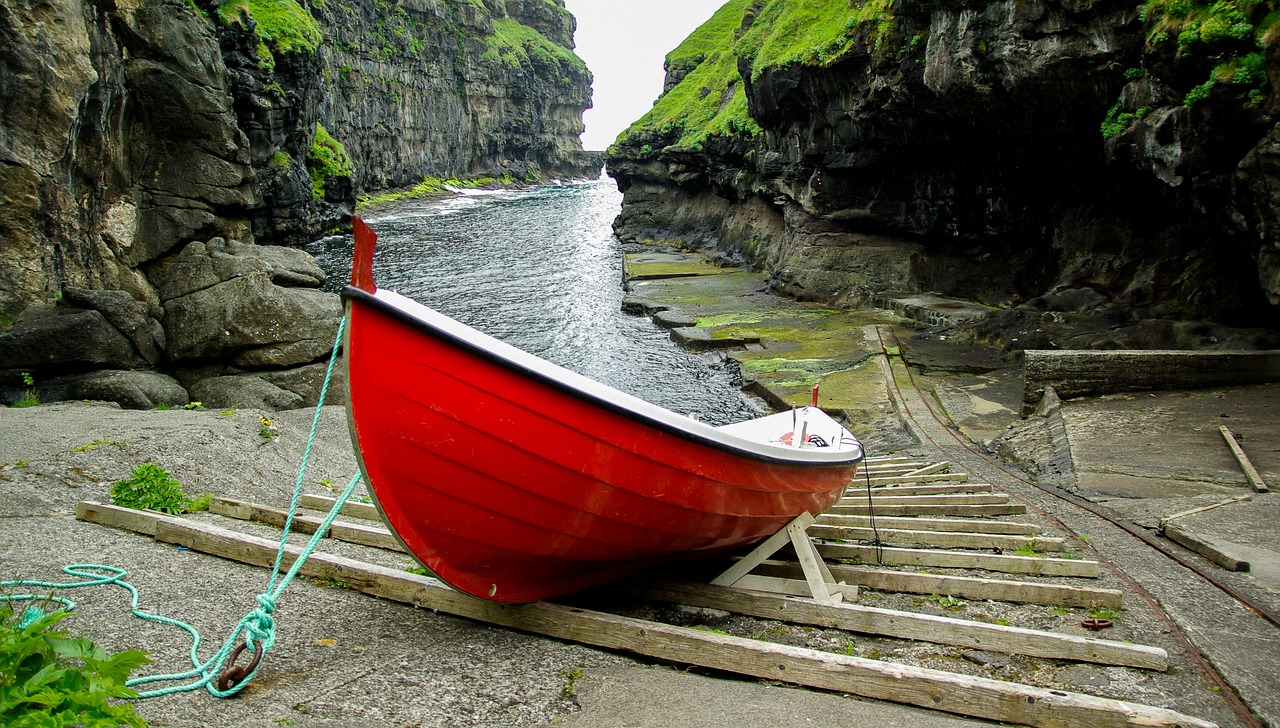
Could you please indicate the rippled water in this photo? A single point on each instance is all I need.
(541, 270)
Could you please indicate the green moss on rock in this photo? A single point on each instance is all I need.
(516, 44)
(326, 160)
(284, 25)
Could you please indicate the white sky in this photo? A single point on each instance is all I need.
(624, 44)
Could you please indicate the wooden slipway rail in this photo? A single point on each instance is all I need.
(972, 696)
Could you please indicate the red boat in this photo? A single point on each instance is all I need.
(513, 479)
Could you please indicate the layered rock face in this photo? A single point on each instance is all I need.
(154, 154)
(1042, 157)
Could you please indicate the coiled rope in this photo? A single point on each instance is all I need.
(257, 628)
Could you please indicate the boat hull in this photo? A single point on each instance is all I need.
(516, 488)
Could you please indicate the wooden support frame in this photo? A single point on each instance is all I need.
(972, 696)
(819, 583)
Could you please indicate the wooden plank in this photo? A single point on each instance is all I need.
(967, 587)
(911, 626)
(962, 525)
(1204, 546)
(791, 587)
(931, 469)
(888, 460)
(350, 532)
(124, 518)
(365, 511)
(892, 479)
(856, 488)
(1202, 509)
(890, 509)
(938, 539)
(878, 497)
(1004, 563)
(1250, 472)
(973, 696)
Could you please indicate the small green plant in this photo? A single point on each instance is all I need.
(571, 678)
(417, 570)
(164, 406)
(332, 583)
(193, 406)
(948, 601)
(201, 503)
(268, 430)
(1028, 549)
(1059, 611)
(30, 398)
(150, 487)
(1106, 613)
(227, 412)
(88, 446)
(49, 678)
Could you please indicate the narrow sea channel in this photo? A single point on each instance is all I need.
(540, 269)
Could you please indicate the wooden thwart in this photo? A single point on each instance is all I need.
(973, 696)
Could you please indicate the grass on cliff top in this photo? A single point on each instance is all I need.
(1234, 33)
(283, 25)
(711, 101)
(516, 44)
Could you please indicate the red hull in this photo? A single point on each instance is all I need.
(510, 482)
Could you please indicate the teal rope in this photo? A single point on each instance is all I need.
(258, 627)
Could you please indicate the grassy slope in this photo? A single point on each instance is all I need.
(711, 101)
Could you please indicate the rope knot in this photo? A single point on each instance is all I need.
(262, 625)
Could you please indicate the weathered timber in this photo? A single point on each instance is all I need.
(1202, 509)
(880, 497)
(886, 490)
(892, 509)
(1250, 473)
(1205, 546)
(1081, 373)
(1005, 563)
(350, 532)
(972, 696)
(968, 587)
(896, 479)
(791, 587)
(366, 511)
(965, 525)
(931, 469)
(909, 625)
(937, 539)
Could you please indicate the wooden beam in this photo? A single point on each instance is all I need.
(892, 509)
(938, 539)
(1005, 563)
(350, 532)
(1205, 546)
(365, 511)
(790, 587)
(898, 479)
(856, 488)
(931, 469)
(1183, 514)
(973, 696)
(1250, 472)
(910, 626)
(963, 525)
(967, 587)
(879, 496)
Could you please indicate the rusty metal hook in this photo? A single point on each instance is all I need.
(1096, 624)
(234, 674)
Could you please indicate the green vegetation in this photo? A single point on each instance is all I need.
(95, 445)
(49, 678)
(1118, 121)
(710, 100)
(571, 678)
(267, 429)
(150, 487)
(1231, 33)
(1028, 549)
(434, 187)
(30, 398)
(283, 25)
(516, 44)
(326, 160)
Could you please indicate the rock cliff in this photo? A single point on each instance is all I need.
(154, 154)
(1094, 170)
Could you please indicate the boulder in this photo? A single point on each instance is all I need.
(203, 265)
(74, 340)
(130, 389)
(251, 316)
(136, 320)
(306, 382)
(245, 391)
